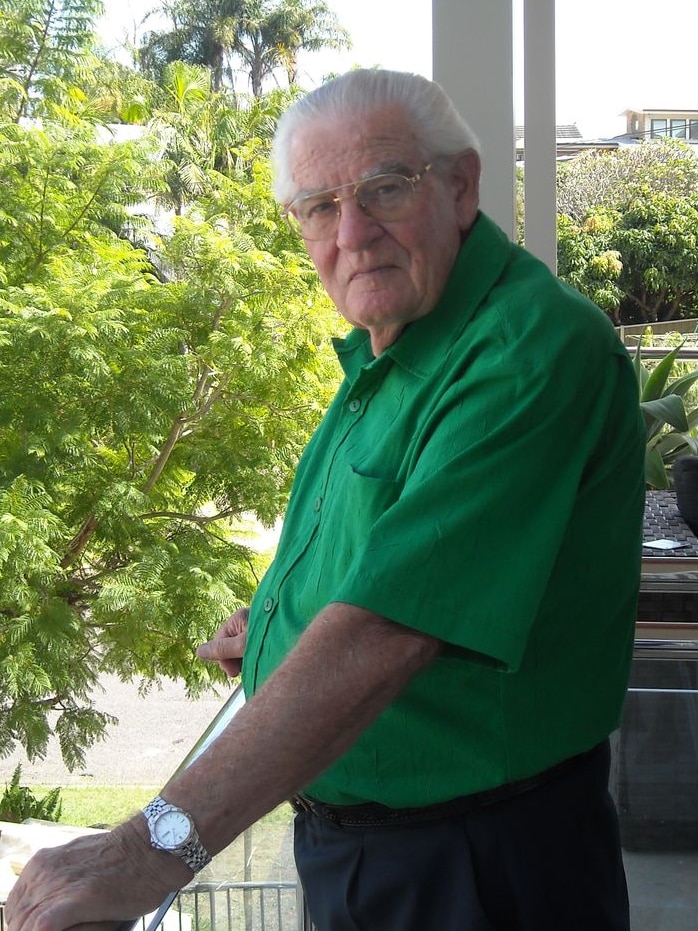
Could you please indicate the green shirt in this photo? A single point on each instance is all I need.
(482, 481)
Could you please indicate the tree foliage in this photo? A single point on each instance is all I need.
(42, 50)
(257, 37)
(611, 179)
(628, 230)
(155, 391)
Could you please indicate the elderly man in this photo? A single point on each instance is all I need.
(439, 652)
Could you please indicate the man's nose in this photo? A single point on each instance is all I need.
(355, 228)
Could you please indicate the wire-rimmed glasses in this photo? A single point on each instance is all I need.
(385, 197)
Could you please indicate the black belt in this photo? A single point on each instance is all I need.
(373, 814)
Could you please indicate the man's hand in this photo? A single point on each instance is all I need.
(228, 645)
(105, 878)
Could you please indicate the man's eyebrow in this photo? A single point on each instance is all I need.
(392, 168)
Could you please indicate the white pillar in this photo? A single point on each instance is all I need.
(539, 133)
(473, 62)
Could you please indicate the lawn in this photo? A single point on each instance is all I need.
(89, 806)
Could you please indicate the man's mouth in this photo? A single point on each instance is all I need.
(369, 272)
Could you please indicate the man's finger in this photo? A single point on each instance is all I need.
(218, 649)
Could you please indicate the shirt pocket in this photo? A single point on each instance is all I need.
(357, 508)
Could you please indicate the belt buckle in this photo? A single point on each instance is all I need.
(300, 803)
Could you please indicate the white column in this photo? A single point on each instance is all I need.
(539, 139)
(473, 62)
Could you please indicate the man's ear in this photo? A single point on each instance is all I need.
(465, 176)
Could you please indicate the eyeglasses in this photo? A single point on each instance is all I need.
(383, 197)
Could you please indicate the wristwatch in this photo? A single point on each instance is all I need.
(172, 830)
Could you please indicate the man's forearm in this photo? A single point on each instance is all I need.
(348, 666)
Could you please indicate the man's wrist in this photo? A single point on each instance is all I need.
(172, 830)
(165, 872)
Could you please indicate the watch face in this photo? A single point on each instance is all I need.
(171, 828)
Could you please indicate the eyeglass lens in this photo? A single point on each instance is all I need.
(383, 197)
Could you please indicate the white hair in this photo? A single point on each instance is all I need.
(439, 127)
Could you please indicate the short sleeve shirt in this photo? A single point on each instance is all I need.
(480, 481)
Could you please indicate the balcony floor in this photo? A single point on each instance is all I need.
(663, 890)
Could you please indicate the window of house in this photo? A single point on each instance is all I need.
(693, 130)
(678, 129)
(658, 128)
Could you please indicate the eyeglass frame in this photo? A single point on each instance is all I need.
(355, 185)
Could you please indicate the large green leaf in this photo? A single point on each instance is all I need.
(667, 410)
(655, 471)
(657, 381)
(671, 445)
(681, 386)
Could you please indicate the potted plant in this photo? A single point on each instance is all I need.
(669, 424)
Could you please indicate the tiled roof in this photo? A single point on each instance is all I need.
(566, 131)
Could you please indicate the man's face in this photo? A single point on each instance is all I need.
(383, 275)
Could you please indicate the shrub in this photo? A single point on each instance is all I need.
(18, 802)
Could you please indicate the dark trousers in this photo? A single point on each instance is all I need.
(546, 860)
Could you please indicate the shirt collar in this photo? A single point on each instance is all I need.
(420, 348)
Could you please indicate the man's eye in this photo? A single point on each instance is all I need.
(383, 189)
(387, 189)
(317, 208)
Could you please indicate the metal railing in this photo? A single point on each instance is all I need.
(232, 906)
(238, 906)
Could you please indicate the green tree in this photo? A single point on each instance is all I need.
(121, 94)
(257, 36)
(657, 238)
(627, 230)
(199, 34)
(612, 179)
(155, 393)
(143, 417)
(271, 37)
(587, 260)
(640, 264)
(202, 130)
(42, 49)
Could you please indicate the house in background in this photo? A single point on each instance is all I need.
(658, 123)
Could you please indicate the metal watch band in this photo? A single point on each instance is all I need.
(193, 852)
(155, 807)
(194, 855)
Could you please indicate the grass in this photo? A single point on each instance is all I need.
(86, 806)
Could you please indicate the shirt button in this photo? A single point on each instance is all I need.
(268, 604)
(355, 405)
(317, 504)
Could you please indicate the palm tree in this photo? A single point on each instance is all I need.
(305, 26)
(202, 32)
(260, 35)
(202, 131)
